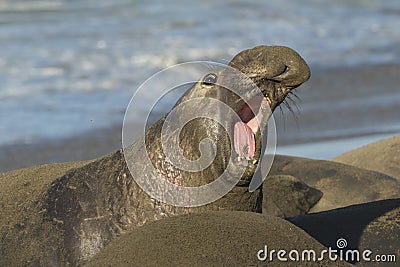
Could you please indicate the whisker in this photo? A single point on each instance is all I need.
(289, 107)
(294, 103)
(282, 116)
(295, 95)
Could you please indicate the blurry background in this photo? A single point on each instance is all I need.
(69, 68)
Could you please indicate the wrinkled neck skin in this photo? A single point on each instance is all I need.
(190, 136)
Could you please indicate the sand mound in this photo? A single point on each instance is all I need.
(209, 239)
(382, 156)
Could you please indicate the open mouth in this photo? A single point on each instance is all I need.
(245, 130)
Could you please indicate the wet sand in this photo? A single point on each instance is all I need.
(87, 146)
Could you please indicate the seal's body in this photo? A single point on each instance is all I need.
(91, 205)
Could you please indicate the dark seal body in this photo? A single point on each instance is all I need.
(87, 207)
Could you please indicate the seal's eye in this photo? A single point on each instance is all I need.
(210, 79)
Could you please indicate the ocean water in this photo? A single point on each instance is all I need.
(71, 66)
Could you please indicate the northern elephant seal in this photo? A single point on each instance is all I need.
(287, 196)
(342, 185)
(83, 210)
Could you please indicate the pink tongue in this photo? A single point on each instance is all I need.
(244, 140)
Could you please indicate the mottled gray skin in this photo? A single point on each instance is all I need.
(91, 205)
(342, 185)
(287, 196)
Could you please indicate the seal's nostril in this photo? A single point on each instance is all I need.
(210, 79)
